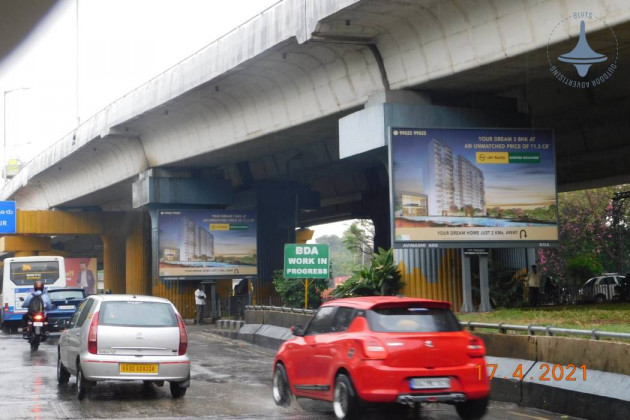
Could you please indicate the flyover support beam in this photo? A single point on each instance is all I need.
(31, 245)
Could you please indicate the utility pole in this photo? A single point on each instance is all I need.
(4, 127)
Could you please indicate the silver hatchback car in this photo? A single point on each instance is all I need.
(125, 337)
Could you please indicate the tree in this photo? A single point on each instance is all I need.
(506, 287)
(291, 291)
(380, 278)
(343, 259)
(359, 240)
(587, 236)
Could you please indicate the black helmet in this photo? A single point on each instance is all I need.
(39, 286)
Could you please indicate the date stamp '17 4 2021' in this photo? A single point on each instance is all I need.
(546, 372)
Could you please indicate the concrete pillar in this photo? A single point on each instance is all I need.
(138, 257)
(467, 305)
(484, 288)
(381, 219)
(531, 257)
(213, 301)
(114, 263)
(278, 207)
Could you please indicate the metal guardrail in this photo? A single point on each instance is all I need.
(280, 309)
(550, 331)
(502, 327)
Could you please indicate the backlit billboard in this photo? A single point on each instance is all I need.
(462, 188)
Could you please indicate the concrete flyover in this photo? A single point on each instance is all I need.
(254, 117)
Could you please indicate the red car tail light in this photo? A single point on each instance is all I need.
(374, 349)
(183, 337)
(476, 347)
(6, 307)
(93, 335)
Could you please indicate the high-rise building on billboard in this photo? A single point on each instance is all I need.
(195, 242)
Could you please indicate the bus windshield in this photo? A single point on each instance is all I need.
(27, 273)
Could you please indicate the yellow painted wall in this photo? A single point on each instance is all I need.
(24, 243)
(181, 293)
(138, 261)
(447, 288)
(58, 222)
(224, 288)
(114, 267)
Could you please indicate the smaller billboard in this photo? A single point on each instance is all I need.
(207, 243)
(306, 261)
(80, 272)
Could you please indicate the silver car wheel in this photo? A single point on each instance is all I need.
(281, 389)
(340, 402)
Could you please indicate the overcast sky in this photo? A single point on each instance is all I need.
(118, 45)
(106, 48)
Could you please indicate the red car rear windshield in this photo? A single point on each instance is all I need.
(137, 314)
(412, 319)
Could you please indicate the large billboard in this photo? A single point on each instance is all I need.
(462, 188)
(193, 244)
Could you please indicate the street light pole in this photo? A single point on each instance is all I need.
(4, 127)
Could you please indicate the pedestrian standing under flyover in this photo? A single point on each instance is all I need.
(533, 280)
(200, 302)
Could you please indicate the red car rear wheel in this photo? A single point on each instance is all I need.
(346, 402)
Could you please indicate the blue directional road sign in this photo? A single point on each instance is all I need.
(7, 217)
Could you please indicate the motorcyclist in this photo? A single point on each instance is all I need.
(38, 289)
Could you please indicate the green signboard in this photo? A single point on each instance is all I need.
(310, 261)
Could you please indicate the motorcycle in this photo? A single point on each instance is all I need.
(36, 331)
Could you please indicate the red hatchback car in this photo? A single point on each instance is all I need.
(383, 349)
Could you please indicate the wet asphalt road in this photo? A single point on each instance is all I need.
(230, 379)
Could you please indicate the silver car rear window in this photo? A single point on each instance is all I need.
(412, 320)
(65, 294)
(137, 314)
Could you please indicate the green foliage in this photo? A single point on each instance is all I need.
(605, 317)
(343, 260)
(588, 240)
(380, 278)
(583, 267)
(291, 291)
(506, 287)
(359, 240)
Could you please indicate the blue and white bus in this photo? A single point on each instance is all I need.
(19, 277)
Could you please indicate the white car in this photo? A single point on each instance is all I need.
(125, 337)
(602, 288)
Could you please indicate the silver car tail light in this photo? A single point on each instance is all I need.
(93, 335)
(183, 336)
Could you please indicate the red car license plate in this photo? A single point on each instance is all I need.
(430, 383)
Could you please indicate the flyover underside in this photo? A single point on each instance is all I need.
(124, 240)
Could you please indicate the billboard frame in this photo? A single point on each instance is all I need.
(459, 244)
(206, 277)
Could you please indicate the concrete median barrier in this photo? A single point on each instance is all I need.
(578, 377)
(605, 356)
